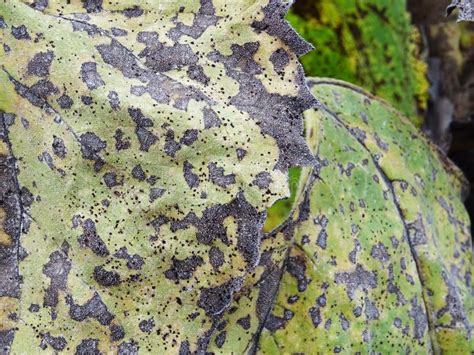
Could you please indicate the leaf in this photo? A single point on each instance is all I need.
(140, 149)
(378, 255)
(370, 43)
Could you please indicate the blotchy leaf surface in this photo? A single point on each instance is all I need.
(378, 256)
(140, 148)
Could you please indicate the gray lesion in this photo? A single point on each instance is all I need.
(162, 58)
(90, 76)
(57, 270)
(267, 108)
(10, 206)
(40, 64)
(94, 308)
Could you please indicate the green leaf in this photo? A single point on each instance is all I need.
(370, 43)
(141, 147)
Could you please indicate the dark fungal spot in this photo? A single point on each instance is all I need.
(244, 322)
(184, 348)
(268, 287)
(106, 278)
(262, 180)
(11, 221)
(273, 322)
(121, 143)
(2, 22)
(296, 267)
(214, 300)
(118, 32)
(161, 58)
(220, 339)
(40, 63)
(93, 308)
(64, 101)
(59, 149)
(114, 100)
(357, 311)
(359, 278)
(418, 314)
(370, 310)
(280, 59)
(321, 241)
(128, 348)
(240, 153)
(88, 347)
(25, 123)
(111, 179)
(6, 340)
(48, 159)
(155, 193)
(135, 11)
(34, 308)
(379, 252)
(217, 176)
(134, 262)
(203, 18)
(116, 332)
(145, 137)
(315, 315)
(57, 343)
(91, 145)
(81, 26)
(191, 179)
(90, 76)
(20, 32)
(293, 299)
(87, 100)
(216, 258)
(57, 270)
(90, 239)
(40, 4)
(196, 72)
(138, 173)
(210, 118)
(189, 136)
(171, 146)
(36, 94)
(183, 269)
(416, 232)
(92, 5)
(147, 325)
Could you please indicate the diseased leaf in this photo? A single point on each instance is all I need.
(378, 255)
(141, 146)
